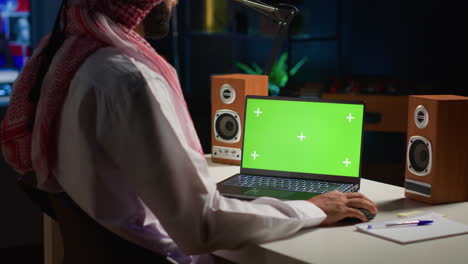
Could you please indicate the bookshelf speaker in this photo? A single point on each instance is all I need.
(228, 94)
(437, 150)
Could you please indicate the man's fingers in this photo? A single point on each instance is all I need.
(356, 195)
(338, 205)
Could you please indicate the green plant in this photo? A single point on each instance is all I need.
(279, 75)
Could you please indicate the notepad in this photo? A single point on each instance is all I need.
(441, 227)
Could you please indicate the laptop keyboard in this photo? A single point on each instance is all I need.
(287, 184)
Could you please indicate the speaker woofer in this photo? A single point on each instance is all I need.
(419, 156)
(227, 126)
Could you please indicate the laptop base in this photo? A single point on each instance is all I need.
(236, 186)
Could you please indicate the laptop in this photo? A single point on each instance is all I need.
(297, 148)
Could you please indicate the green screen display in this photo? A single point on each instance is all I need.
(303, 136)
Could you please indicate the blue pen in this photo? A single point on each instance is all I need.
(406, 223)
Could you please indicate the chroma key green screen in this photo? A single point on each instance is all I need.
(303, 136)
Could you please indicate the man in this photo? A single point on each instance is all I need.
(127, 152)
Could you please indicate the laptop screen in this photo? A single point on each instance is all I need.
(303, 136)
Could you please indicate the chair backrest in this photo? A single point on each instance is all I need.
(86, 241)
(40, 198)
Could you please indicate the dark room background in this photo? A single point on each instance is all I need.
(407, 47)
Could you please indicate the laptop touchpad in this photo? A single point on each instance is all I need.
(280, 194)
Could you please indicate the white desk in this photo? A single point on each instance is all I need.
(345, 245)
(333, 244)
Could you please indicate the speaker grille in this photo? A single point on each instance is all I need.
(419, 156)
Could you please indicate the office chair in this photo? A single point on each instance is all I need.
(84, 240)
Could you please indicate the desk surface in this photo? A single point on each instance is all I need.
(344, 244)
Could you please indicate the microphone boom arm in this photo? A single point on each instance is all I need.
(282, 15)
(257, 5)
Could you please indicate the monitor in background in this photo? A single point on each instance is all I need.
(15, 41)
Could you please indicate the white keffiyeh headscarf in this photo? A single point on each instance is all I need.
(91, 25)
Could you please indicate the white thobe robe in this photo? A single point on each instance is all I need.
(124, 160)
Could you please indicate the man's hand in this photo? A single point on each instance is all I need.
(337, 206)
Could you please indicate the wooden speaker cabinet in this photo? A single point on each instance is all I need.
(384, 113)
(437, 151)
(228, 94)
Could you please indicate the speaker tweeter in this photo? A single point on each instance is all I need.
(227, 94)
(421, 116)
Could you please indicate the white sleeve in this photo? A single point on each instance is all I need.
(173, 180)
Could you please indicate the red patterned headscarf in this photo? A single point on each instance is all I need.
(92, 24)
